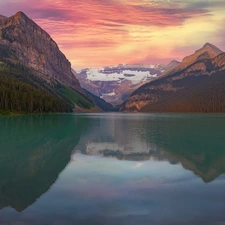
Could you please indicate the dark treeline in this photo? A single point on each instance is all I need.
(16, 96)
(201, 94)
(40, 95)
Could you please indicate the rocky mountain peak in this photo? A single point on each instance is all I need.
(172, 64)
(174, 61)
(210, 48)
(209, 45)
(208, 51)
(35, 48)
(20, 15)
(19, 19)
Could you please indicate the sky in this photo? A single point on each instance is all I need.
(96, 33)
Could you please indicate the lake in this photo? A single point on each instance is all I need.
(112, 168)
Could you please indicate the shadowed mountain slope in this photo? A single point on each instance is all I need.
(195, 85)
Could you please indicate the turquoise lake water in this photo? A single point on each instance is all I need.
(112, 168)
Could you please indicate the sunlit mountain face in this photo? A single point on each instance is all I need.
(97, 33)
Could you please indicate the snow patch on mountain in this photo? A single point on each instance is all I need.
(110, 94)
(134, 76)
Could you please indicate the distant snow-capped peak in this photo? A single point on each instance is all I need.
(119, 75)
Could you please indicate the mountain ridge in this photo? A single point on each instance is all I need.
(178, 91)
(208, 48)
(114, 84)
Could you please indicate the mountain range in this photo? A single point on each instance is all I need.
(114, 84)
(197, 84)
(35, 76)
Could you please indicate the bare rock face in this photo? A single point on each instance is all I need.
(35, 48)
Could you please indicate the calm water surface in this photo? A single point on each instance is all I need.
(106, 169)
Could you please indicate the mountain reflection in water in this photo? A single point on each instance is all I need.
(195, 141)
(112, 168)
(33, 151)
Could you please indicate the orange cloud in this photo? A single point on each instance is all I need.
(102, 32)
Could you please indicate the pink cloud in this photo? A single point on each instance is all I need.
(88, 32)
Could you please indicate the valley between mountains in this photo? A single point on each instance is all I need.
(36, 77)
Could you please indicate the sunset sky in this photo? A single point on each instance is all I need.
(95, 33)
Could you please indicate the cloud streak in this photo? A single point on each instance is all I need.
(96, 32)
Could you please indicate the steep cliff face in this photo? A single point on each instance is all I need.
(195, 85)
(35, 48)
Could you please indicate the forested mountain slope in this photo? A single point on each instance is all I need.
(199, 87)
(35, 75)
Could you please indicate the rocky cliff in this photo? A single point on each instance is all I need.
(35, 48)
(194, 85)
